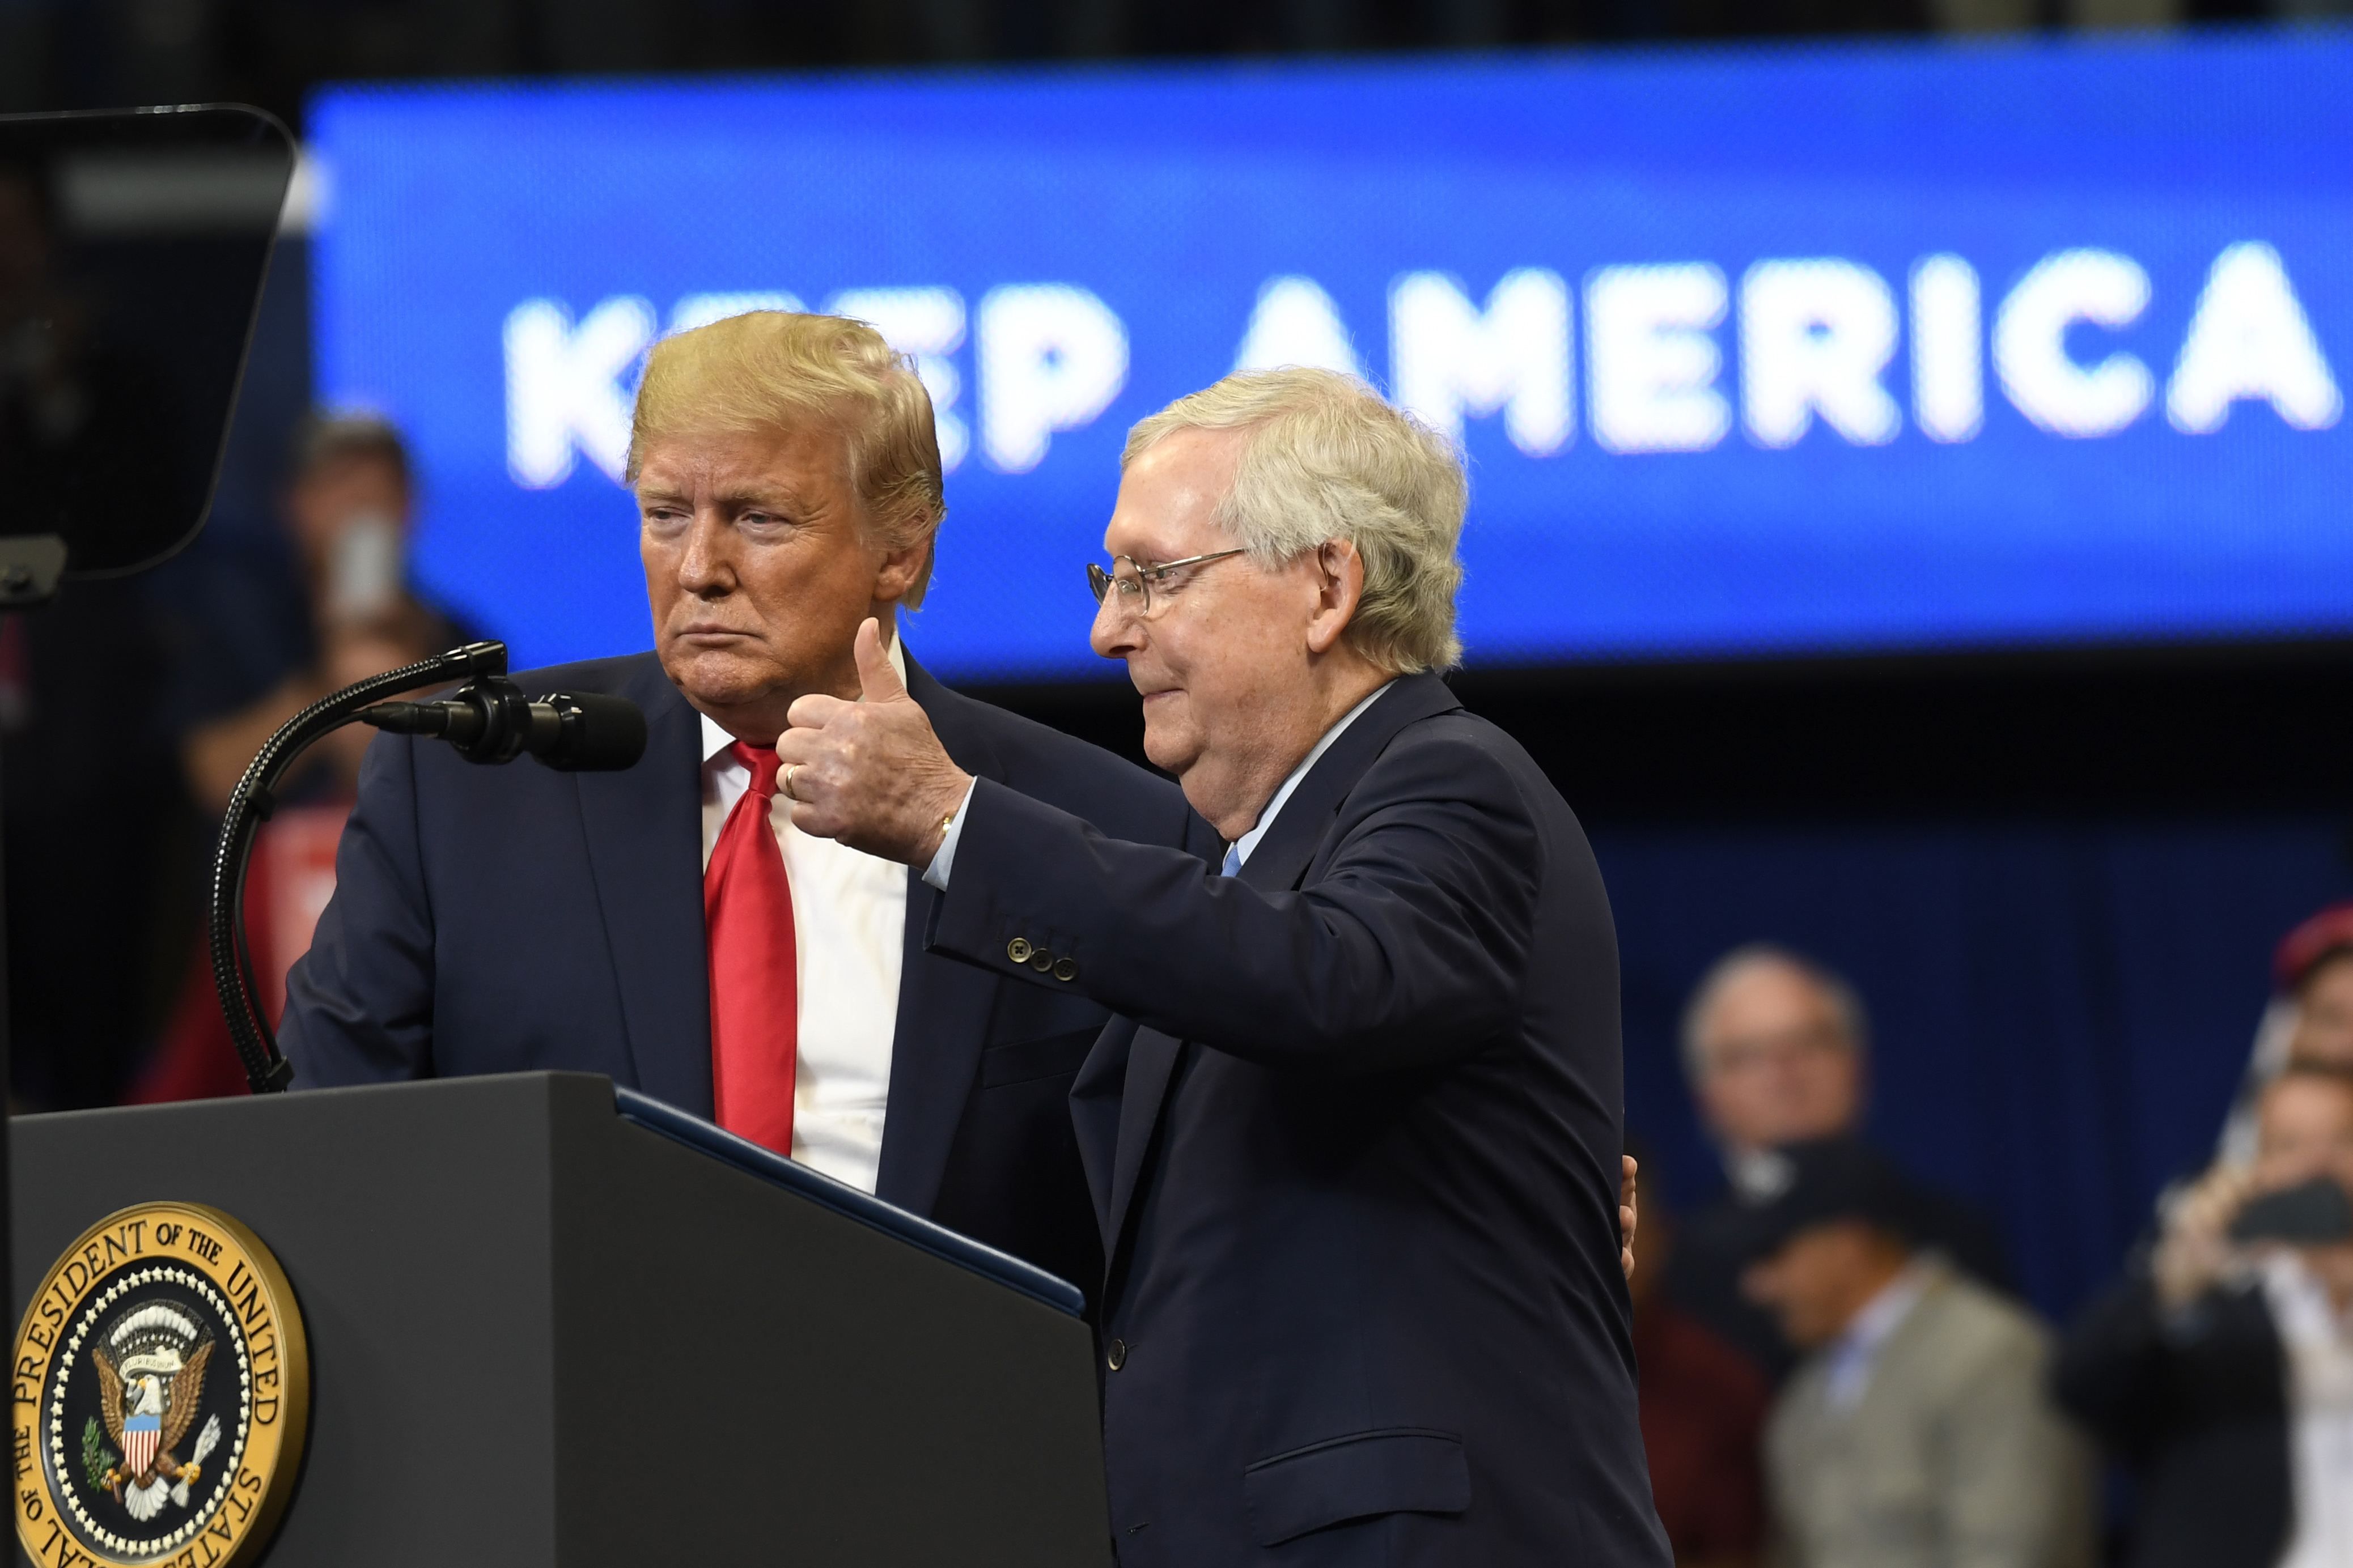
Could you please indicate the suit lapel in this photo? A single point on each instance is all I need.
(644, 828)
(944, 1005)
(1114, 1104)
(1289, 846)
(1277, 865)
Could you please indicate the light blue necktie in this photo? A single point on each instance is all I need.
(1233, 861)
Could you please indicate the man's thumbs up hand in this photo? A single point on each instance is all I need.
(876, 678)
(871, 773)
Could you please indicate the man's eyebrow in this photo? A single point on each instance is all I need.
(750, 493)
(766, 493)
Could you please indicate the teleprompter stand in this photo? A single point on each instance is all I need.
(552, 1323)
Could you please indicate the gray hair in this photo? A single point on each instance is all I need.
(1325, 459)
(1846, 1007)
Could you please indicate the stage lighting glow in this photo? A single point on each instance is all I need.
(1752, 352)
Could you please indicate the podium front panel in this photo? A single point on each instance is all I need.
(541, 1334)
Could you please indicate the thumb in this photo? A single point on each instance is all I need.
(877, 681)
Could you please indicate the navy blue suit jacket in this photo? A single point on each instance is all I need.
(1353, 1143)
(502, 919)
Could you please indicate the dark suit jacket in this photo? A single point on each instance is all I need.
(1354, 1143)
(2196, 1404)
(500, 920)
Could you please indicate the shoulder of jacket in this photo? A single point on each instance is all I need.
(1978, 1331)
(1457, 754)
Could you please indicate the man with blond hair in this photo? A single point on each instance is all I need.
(669, 926)
(1354, 1137)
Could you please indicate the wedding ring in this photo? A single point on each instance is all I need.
(788, 781)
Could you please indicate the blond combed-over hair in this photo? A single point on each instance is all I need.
(1325, 459)
(770, 370)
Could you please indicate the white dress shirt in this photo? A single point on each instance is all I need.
(849, 933)
(2318, 1342)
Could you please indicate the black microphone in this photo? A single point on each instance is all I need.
(489, 720)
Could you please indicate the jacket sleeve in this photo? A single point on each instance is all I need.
(2111, 1364)
(1407, 950)
(359, 1005)
(2141, 1378)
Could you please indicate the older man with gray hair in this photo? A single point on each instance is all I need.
(1354, 1134)
(1775, 1048)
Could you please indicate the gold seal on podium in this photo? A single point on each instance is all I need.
(162, 1389)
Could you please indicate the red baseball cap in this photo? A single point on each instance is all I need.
(2329, 931)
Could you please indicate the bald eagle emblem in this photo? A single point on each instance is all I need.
(163, 1386)
(151, 1369)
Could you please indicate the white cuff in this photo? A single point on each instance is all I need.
(936, 873)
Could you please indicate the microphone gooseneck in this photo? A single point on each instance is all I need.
(267, 1070)
(488, 720)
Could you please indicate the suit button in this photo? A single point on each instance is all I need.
(1018, 949)
(1066, 969)
(1116, 1353)
(1042, 961)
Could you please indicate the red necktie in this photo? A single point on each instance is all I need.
(747, 912)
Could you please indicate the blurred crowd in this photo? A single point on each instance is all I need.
(1837, 1373)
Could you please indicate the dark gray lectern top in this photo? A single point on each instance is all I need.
(846, 1200)
(547, 1329)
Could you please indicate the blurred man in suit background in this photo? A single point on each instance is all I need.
(1916, 1432)
(1776, 1049)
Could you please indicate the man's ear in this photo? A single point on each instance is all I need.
(1340, 588)
(899, 569)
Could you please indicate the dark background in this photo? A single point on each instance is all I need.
(2055, 876)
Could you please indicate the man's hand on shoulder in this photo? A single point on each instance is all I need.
(871, 773)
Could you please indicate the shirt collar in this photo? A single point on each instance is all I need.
(1248, 841)
(1848, 1364)
(716, 740)
(1886, 1312)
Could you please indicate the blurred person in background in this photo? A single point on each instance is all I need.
(2309, 1018)
(1776, 1050)
(1916, 1432)
(1702, 1410)
(2221, 1367)
(348, 509)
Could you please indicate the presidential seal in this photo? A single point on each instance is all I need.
(161, 1391)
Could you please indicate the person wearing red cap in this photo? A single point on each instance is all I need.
(2309, 1020)
(2220, 1367)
